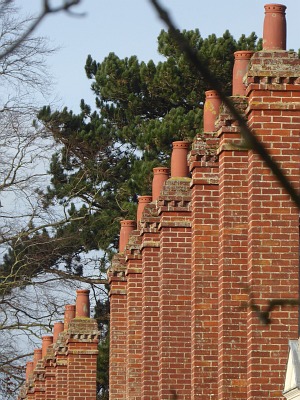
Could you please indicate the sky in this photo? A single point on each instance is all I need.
(131, 27)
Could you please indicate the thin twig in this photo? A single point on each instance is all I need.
(46, 11)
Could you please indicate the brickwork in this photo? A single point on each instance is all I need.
(118, 328)
(175, 290)
(134, 322)
(274, 113)
(204, 266)
(67, 370)
(150, 302)
(190, 286)
(217, 248)
(233, 250)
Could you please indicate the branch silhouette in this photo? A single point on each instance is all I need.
(249, 137)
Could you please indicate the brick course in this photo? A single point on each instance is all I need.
(217, 247)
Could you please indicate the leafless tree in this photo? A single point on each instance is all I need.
(29, 304)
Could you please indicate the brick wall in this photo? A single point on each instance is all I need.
(175, 290)
(204, 265)
(217, 248)
(191, 283)
(67, 368)
(273, 254)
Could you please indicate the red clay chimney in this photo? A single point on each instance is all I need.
(127, 226)
(70, 311)
(241, 62)
(37, 355)
(179, 165)
(274, 34)
(83, 303)
(46, 342)
(143, 201)
(160, 175)
(211, 110)
(29, 369)
(57, 328)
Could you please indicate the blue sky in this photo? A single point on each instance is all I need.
(131, 27)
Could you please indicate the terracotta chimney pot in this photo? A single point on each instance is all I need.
(57, 329)
(127, 226)
(70, 312)
(83, 303)
(160, 175)
(46, 342)
(37, 355)
(29, 369)
(179, 165)
(240, 68)
(142, 202)
(274, 33)
(211, 110)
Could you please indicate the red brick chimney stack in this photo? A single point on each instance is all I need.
(46, 342)
(127, 226)
(143, 201)
(37, 355)
(83, 303)
(29, 369)
(57, 329)
(160, 175)
(241, 62)
(179, 165)
(211, 110)
(70, 311)
(274, 32)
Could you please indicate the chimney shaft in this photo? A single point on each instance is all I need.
(127, 226)
(160, 175)
(241, 62)
(83, 303)
(211, 110)
(37, 355)
(70, 311)
(57, 328)
(29, 369)
(274, 32)
(143, 201)
(179, 165)
(46, 342)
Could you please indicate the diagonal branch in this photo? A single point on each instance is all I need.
(249, 135)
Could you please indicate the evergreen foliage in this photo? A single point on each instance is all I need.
(105, 157)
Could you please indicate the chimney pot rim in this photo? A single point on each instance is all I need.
(144, 199)
(47, 337)
(211, 94)
(128, 223)
(184, 144)
(245, 53)
(83, 291)
(273, 7)
(161, 170)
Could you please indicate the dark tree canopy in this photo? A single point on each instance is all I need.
(107, 156)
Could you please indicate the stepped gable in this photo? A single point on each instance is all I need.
(133, 247)
(118, 267)
(270, 67)
(175, 196)
(60, 367)
(150, 219)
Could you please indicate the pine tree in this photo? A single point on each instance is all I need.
(105, 157)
